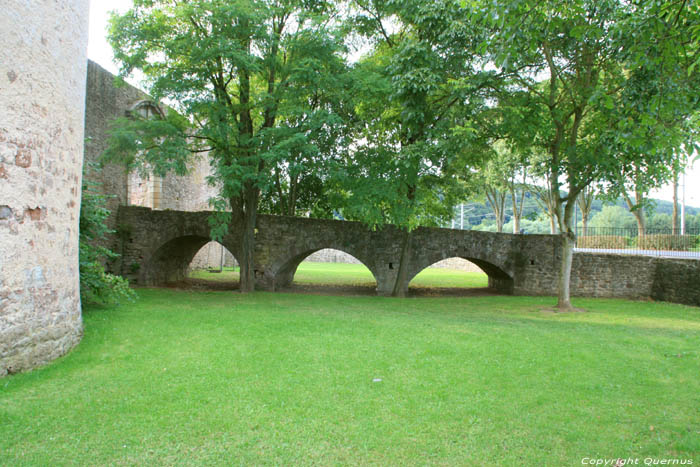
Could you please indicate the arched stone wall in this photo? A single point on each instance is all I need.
(158, 246)
(43, 61)
(281, 243)
(285, 270)
(498, 278)
(492, 253)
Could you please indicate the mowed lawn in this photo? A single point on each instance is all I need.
(359, 275)
(219, 378)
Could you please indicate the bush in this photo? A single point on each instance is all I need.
(666, 242)
(614, 242)
(97, 285)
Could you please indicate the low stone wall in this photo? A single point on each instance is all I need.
(636, 277)
(677, 281)
(612, 276)
(328, 255)
(458, 264)
(210, 257)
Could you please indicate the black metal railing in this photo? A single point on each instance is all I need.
(653, 242)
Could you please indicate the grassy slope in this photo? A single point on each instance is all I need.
(213, 378)
(358, 274)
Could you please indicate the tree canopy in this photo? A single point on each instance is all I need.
(259, 85)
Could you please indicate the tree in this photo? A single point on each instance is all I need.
(504, 174)
(637, 205)
(546, 199)
(415, 87)
(496, 198)
(574, 59)
(247, 75)
(612, 218)
(585, 204)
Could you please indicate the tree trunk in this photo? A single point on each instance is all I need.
(585, 203)
(568, 242)
(641, 222)
(674, 219)
(516, 212)
(497, 200)
(563, 295)
(400, 286)
(250, 214)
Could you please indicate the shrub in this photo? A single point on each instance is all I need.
(97, 285)
(666, 242)
(615, 242)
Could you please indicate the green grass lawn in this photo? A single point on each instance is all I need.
(359, 275)
(219, 378)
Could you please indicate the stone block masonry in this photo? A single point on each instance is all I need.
(161, 244)
(42, 99)
(158, 246)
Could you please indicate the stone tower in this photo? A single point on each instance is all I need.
(43, 60)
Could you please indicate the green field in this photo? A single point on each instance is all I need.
(359, 275)
(219, 378)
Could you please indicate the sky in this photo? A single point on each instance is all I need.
(100, 51)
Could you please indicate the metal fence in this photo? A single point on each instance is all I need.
(651, 242)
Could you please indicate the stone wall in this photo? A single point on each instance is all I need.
(42, 101)
(328, 255)
(612, 276)
(677, 281)
(104, 102)
(107, 100)
(636, 277)
(335, 256)
(457, 264)
(211, 256)
(162, 244)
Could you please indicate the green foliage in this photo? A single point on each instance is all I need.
(666, 242)
(613, 217)
(415, 91)
(603, 87)
(616, 242)
(96, 285)
(260, 86)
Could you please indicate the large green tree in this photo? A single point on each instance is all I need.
(250, 79)
(417, 89)
(585, 63)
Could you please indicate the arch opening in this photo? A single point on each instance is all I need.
(460, 276)
(172, 263)
(214, 267)
(326, 270)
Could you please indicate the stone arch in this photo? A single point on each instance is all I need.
(170, 261)
(499, 279)
(285, 268)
